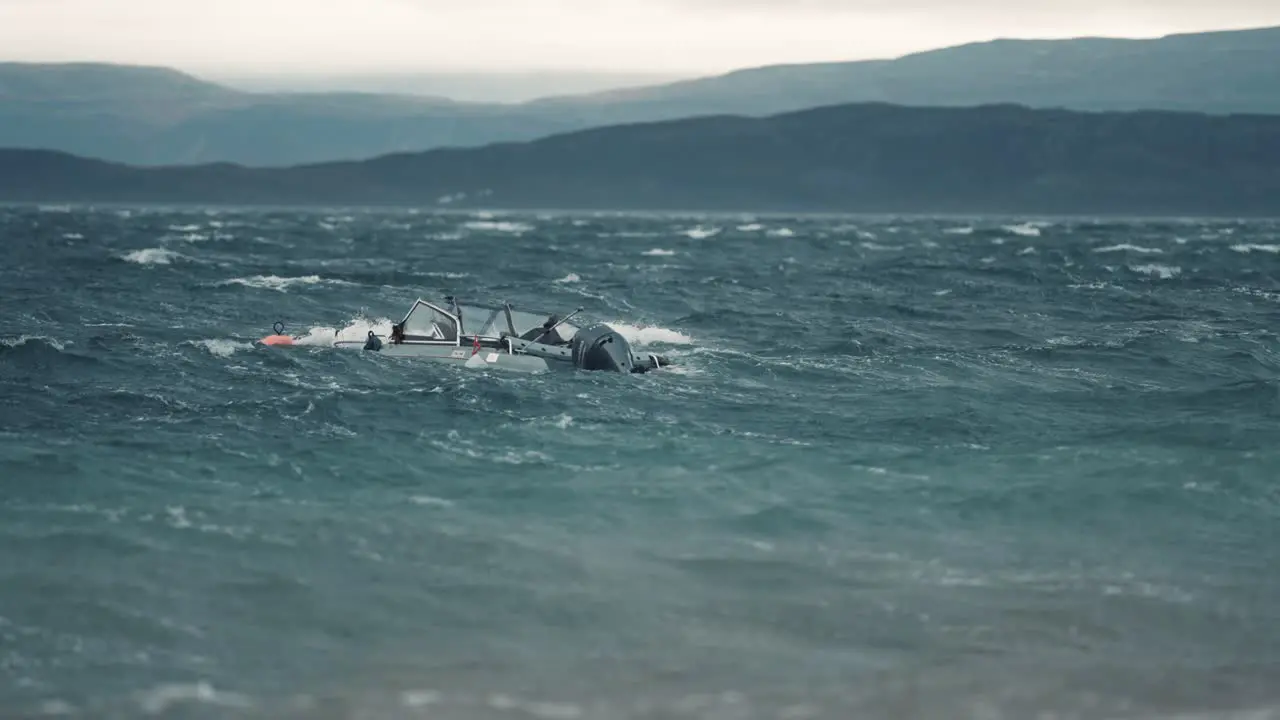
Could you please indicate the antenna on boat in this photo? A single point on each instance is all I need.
(548, 330)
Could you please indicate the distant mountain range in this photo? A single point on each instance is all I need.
(859, 158)
(155, 116)
(481, 87)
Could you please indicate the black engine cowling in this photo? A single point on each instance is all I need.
(600, 347)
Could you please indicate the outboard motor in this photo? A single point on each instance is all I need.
(600, 347)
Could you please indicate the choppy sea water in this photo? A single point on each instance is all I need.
(906, 467)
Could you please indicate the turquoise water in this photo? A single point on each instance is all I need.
(905, 467)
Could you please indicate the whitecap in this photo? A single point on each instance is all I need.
(431, 501)
(1127, 247)
(966, 230)
(641, 335)
(24, 339)
(160, 699)
(505, 226)
(628, 234)
(701, 233)
(543, 710)
(280, 284)
(570, 278)
(419, 698)
(222, 347)
(750, 227)
(782, 233)
(1025, 229)
(1164, 272)
(1252, 247)
(152, 256)
(658, 252)
(356, 330)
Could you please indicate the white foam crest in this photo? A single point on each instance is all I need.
(658, 252)
(24, 339)
(1025, 229)
(1164, 272)
(431, 501)
(1252, 247)
(356, 330)
(505, 226)
(222, 347)
(160, 699)
(629, 234)
(542, 710)
(1027, 251)
(1128, 247)
(570, 278)
(280, 284)
(782, 233)
(152, 256)
(966, 230)
(750, 227)
(72, 236)
(184, 228)
(702, 233)
(878, 246)
(419, 698)
(1098, 285)
(1272, 296)
(642, 335)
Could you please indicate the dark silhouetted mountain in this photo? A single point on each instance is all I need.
(859, 158)
(153, 116)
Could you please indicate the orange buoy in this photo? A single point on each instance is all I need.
(279, 339)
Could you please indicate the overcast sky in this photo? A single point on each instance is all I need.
(683, 36)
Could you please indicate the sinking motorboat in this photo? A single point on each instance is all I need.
(499, 336)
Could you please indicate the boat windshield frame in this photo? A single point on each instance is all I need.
(489, 315)
(432, 307)
(490, 321)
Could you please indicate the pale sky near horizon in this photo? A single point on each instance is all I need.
(674, 36)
